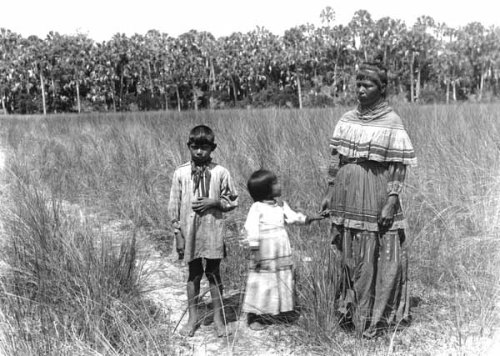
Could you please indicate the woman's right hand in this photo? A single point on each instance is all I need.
(325, 203)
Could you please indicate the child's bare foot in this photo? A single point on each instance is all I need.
(189, 329)
(257, 326)
(222, 330)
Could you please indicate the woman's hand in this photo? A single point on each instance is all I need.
(386, 217)
(325, 203)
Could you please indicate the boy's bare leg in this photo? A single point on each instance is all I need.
(216, 295)
(193, 293)
(213, 275)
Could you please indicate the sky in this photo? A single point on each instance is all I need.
(101, 19)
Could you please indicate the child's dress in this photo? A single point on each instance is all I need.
(270, 288)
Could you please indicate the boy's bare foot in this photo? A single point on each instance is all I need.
(256, 326)
(189, 329)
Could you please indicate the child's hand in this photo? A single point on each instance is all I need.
(255, 256)
(201, 205)
(314, 217)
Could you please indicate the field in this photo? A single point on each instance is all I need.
(67, 289)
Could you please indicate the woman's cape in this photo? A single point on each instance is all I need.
(376, 135)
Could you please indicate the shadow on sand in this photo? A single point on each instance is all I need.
(232, 312)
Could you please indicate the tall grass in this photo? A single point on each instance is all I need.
(120, 166)
(453, 196)
(67, 287)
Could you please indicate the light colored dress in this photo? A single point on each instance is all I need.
(203, 233)
(270, 286)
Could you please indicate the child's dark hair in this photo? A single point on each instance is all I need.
(202, 135)
(260, 184)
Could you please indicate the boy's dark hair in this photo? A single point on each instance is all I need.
(260, 184)
(202, 135)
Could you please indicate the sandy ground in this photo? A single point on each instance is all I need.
(165, 284)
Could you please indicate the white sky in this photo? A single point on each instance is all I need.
(100, 19)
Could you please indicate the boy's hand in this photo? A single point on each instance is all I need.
(176, 226)
(201, 205)
(179, 239)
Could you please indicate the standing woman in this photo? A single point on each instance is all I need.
(370, 153)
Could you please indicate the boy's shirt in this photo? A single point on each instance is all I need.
(203, 233)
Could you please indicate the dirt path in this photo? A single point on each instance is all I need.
(164, 282)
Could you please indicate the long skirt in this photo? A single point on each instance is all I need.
(374, 289)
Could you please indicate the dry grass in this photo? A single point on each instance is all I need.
(121, 165)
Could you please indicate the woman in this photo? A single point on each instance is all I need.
(370, 153)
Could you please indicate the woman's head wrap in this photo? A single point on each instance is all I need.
(373, 70)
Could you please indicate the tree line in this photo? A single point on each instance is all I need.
(308, 66)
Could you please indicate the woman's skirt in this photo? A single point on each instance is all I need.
(374, 291)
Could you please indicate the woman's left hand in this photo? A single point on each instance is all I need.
(386, 217)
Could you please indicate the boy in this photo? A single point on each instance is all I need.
(201, 192)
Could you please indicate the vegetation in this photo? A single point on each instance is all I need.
(70, 285)
(306, 67)
(70, 291)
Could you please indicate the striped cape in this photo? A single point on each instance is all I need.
(378, 136)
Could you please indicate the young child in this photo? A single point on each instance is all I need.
(201, 192)
(269, 288)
